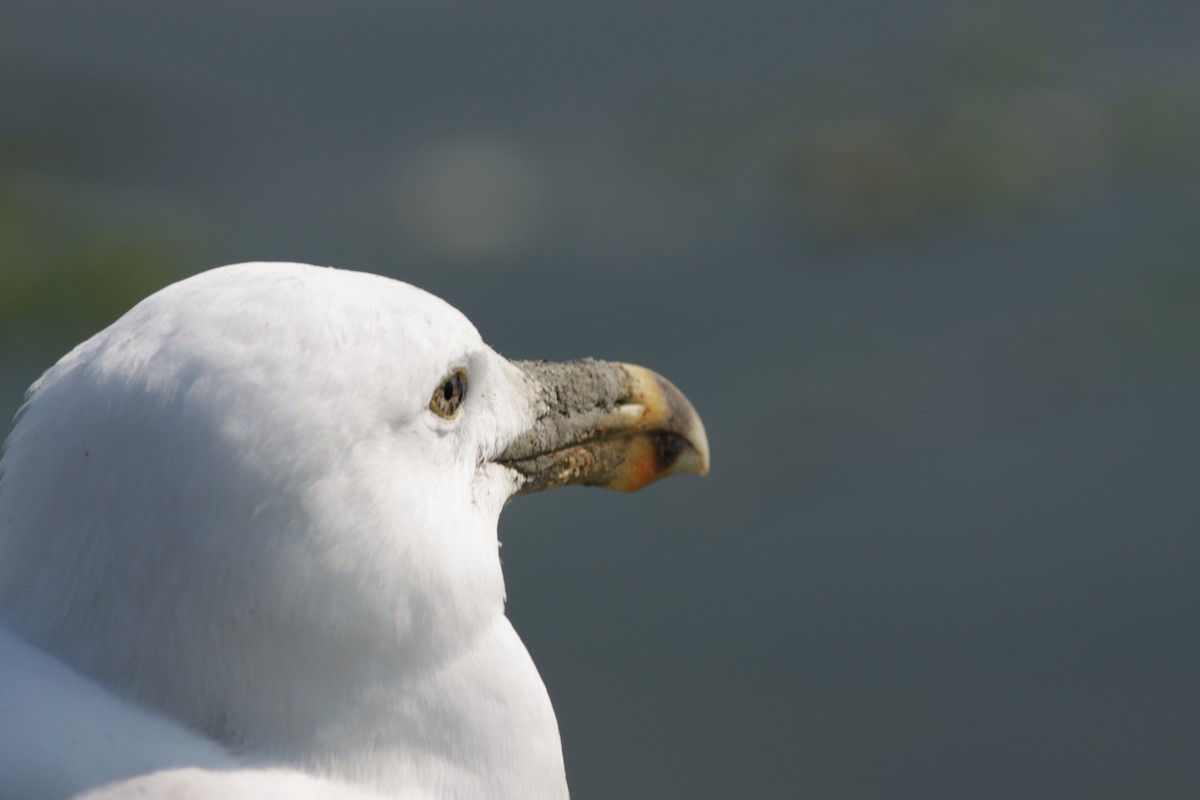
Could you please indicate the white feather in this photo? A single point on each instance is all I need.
(234, 517)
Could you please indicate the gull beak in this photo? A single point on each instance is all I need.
(607, 424)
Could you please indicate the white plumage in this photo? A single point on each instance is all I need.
(365, 608)
(243, 554)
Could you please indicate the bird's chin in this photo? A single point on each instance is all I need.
(495, 484)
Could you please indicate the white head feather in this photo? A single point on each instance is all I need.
(356, 627)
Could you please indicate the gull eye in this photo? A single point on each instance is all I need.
(449, 394)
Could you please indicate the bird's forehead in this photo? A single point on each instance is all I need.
(274, 338)
(309, 313)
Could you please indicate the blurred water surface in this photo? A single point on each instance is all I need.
(928, 270)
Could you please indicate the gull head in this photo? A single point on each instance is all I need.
(264, 503)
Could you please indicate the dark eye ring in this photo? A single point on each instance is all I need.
(449, 394)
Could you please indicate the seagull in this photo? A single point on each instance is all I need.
(248, 544)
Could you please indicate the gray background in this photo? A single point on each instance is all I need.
(928, 270)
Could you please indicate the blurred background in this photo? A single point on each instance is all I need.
(929, 270)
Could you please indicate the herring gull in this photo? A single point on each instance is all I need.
(248, 544)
